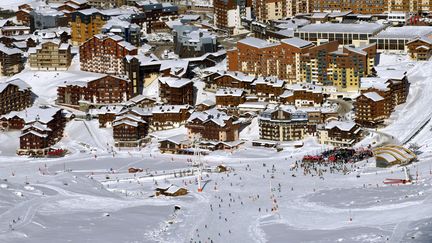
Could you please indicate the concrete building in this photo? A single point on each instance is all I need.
(45, 18)
(105, 54)
(51, 55)
(345, 34)
(85, 24)
(190, 41)
(228, 14)
(11, 60)
(122, 27)
(341, 134)
(283, 123)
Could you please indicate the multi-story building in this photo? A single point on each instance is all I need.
(154, 15)
(231, 79)
(176, 91)
(190, 41)
(41, 127)
(328, 65)
(268, 10)
(283, 123)
(303, 95)
(268, 88)
(396, 39)
(11, 60)
(230, 98)
(347, 66)
(392, 85)
(169, 116)
(343, 134)
(213, 125)
(85, 24)
(370, 109)
(106, 89)
(107, 4)
(228, 14)
(258, 57)
(345, 34)
(359, 7)
(45, 18)
(15, 95)
(373, 6)
(420, 48)
(120, 26)
(129, 130)
(51, 55)
(105, 54)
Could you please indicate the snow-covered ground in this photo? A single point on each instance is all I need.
(89, 196)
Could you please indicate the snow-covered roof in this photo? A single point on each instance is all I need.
(17, 82)
(177, 68)
(169, 108)
(238, 76)
(177, 139)
(114, 109)
(367, 28)
(34, 133)
(272, 81)
(405, 32)
(212, 115)
(229, 92)
(9, 51)
(42, 114)
(374, 82)
(297, 42)
(373, 96)
(253, 105)
(306, 87)
(39, 126)
(391, 74)
(341, 125)
(175, 82)
(258, 43)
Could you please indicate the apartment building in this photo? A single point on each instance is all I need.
(190, 41)
(45, 18)
(154, 15)
(104, 53)
(255, 56)
(120, 26)
(342, 134)
(169, 116)
(231, 79)
(129, 130)
(213, 125)
(41, 127)
(230, 98)
(50, 55)
(11, 60)
(85, 24)
(268, 10)
(228, 14)
(420, 48)
(103, 89)
(107, 4)
(349, 64)
(303, 95)
(283, 123)
(176, 91)
(373, 6)
(370, 109)
(15, 95)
